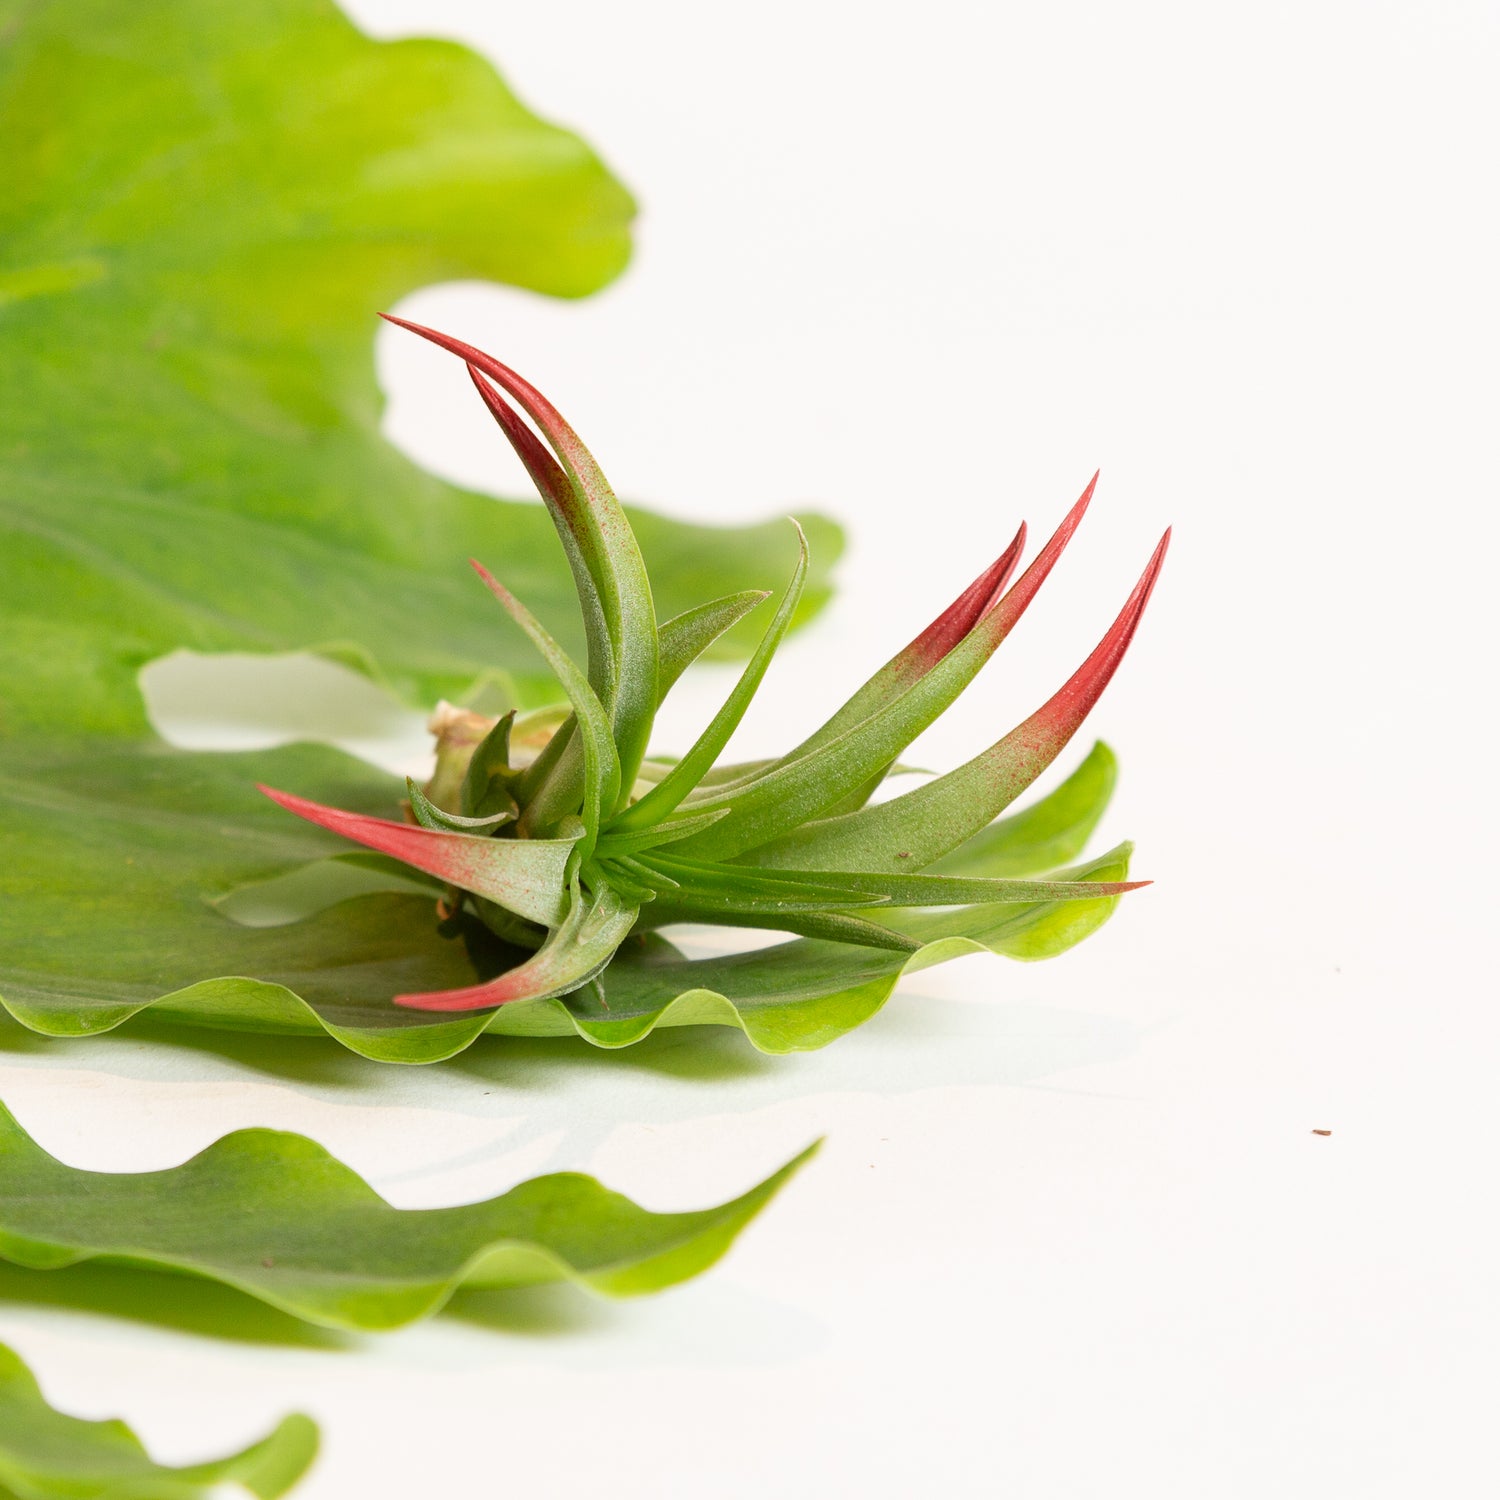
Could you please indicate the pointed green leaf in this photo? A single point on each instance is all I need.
(484, 791)
(669, 792)
(575, 952)
(601, 764)
(567, 516)
(274, 1215)
(685, 637)
(46, 1455)
(919, 656)
(951, 890)
(608, 548)
(1028, 932)
(795, 790)
(431, 816)
(525, 876)
(746, 883)
(614, 844)
(1045, 835)
(921, 825)
(806, 921)
(697, 904)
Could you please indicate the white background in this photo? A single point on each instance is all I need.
(1072, 1234)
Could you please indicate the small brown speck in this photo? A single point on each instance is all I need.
(904, 854)
(1322, 1132)
(268, 1262)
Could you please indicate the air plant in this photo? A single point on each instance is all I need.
(563, 834)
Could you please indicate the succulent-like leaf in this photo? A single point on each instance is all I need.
(800, 787)
(749, 884)
(47, 1455)
(668, 793)
(526, 876)
(568, 517)
(483, 793)
(685, 637)
(1047, 834)
(606, 544)
(929, 821)
(575, 952)
(616, 844)
(274, 1215)
(431, 816)
(660, 859)
(923, 653)
(602, 766)
(849, 887)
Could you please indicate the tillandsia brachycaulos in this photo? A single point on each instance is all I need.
(563, 834)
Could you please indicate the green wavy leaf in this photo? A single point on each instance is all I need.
(274, 1215)
(46, 1455)
(145, 843)
(189, 456)
(204, 207)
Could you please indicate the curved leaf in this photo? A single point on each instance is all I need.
(274, 1215)
(1047, 834)
(930, 821)
(601, 764)
(205, 207)
(575, 953)
(698, 760)
(435, 819)
(852, 887)
(805, 783)
(685, 637)
(46, 1455)
(524, 876)
(599, 535)
(562, 503)
(921, 654)
(140, 937)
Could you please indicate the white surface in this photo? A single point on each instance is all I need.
(1072, 1234)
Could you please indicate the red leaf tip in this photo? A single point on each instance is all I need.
(492, 583)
